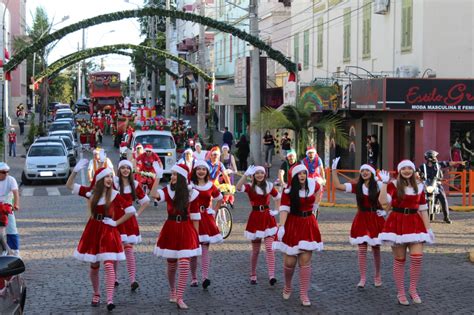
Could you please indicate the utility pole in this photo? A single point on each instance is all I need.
(79, 76)
(201, 114)
(83, 85)
(255, 131)
(153, 71)
(168, 64)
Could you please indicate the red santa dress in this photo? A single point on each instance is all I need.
(260, 223)
(404, 223)
(99, 241)
(366, 225)
(208, 230)
(301, 230)
(178, 237)
(129, 230)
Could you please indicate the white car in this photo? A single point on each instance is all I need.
(46, 161)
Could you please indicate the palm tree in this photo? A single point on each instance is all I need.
(303, 122)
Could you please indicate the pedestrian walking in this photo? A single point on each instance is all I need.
(227, 138)
(298, 232)
(21, 120)
(215, 117)
(269, 145)
(208, 231)
(178, 240)
(285, 144)
(243, 151)
(101, 241)
(261, 224)
(407, 226)
(131, 191)
(369, 219)
(9, 202)
(12, 142)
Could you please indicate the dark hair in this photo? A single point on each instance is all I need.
(194, 177)
(373, 191)
(131, 181)
(181, 197)
(374, 136)
(262, 185)
(295, 194)
(243, 138)
(402, 183)
(98, 191)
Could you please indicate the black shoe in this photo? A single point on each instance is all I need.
(110, 306)
(273, 281)
(134, 286)
(253, 282)
(116, 284)
(447, 220)
(206, 283)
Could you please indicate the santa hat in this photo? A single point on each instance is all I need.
(125, 163)
(188, 150)
(123, 147)
(369, 168)
(183, 170)
(295, 170)
(310, 149)
(260, 169)
(215, 150)
(405, 163)
(99, 174)
(225, 146)
(148, 147)
(201, 163)
(139, 145)
(198, 144)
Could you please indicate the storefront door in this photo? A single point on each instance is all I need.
(404, 141)
(240, 125)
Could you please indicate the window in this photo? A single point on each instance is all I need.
(230, 48)
(296, 48)
(224, 48)
(221, 52)
(366, 31)
(221, 7)
(407, 25)
(346, 56)
(319, 57)
(237, 46)
(306, 49)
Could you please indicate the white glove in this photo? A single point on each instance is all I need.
(431, 234)
(273, 213)
(281, 232)
(381, 213)
(335, 162)
(80, 165)
(228, 171)
(110, 222)
(211, 211)
(158, 169)
(250, 171)
(384, 176)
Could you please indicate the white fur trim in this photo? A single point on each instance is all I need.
(242, 188)
(261, 234)
(112, 197)
(285, 208)
(144, 200)
(260, 168)
(162, 195)
(295, 250)
(193, 195)
(310, 150)
(131, 239)
(348, 187)
(298, 169)
(368, 167)
(405, 163)
(178, 169)
(392, 238)
(311, 188)
(75, 189)
(125, 163)
(277, 197)
(214, 239)
(106, 171)
(204, 187)
(130, 209)
(219, 197)
(195, 216)
(211, 211)
(201, 163)
(268, 188)
(365, 239)
(88, 194)
(169, 253)
(99, 257)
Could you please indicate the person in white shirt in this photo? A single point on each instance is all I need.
(199, 154)
(9, 195)
(188, 158)
(100, 160)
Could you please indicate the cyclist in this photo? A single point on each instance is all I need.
(216, 167)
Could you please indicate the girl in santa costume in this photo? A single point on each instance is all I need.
(369, 219)
(131, 191)
(261, 223)
(178, 240)
(100, 241)
(208, 231)
(298, 232)
(407, 226)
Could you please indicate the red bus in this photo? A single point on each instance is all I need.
(105, 91)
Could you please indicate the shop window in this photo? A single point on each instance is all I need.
(319, 58)
(306, 49)
(296, 48)
(366, 29)
(407, 25)
(347, 35)
(459, 132)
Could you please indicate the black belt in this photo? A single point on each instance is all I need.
(100, 216)
(405, 210)
(260, 208)
(303, 214)
(178, 217)
(368, 209)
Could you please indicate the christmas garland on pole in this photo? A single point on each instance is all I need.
(116, 16)
(72, 59)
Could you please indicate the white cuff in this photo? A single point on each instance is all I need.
(144, 200)
(130, 209)
(219, 197)
(389, 198)
(211, 211)
(242, 189)
(285, 208)
(348, 187)
(162, 195)
(277, 197)
(75, 189)
(195, 216)
(423, 207)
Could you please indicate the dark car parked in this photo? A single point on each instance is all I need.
(12, 285)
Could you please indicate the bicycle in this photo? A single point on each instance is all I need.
(224, 215)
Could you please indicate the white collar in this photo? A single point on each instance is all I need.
(410, 191)
(204, 187)
(365, 189)
(268, 188)
(193, 193)
(311, 188)
(112, 197)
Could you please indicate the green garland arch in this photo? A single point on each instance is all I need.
(71, 59)
(116, 16)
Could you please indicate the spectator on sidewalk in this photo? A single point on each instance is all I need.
(215, 117)
(12, 142)
(21, 120)
(228, 138)
(9, 194)
(269, 145)
(285, 144)
(243, 150)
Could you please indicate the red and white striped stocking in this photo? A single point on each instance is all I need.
(254, 259)
(172, 264)
(376, 252)
(131, 265)
(205, 261)
(270, 257)
(183, 266)
(109, 280)
(194, 269)
(115, 263)
(415, 272)
(305, 278)
(399, 275)
(289, 271)
(94, 276)
(362, 255)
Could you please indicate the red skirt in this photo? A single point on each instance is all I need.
(260, 224)
(366, 228)
(130, 232)
(301, 234)
(208, 230)
(403, 229)
(178, 240)
(99, 242)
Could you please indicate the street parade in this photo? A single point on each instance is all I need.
(221, 157)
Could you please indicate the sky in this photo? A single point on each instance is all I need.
(119, 32)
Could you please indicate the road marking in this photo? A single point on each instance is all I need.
(27, 192)
(53, 191)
